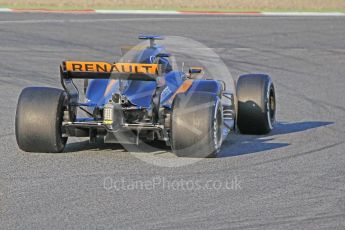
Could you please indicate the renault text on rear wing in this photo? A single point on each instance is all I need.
(105, 70)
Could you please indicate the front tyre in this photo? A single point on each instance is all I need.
(39, 120)
(196, 125)
(256, 104)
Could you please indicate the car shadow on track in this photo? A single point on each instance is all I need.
(99, 145)
(86, 146)
(238, 144)
(235, 145)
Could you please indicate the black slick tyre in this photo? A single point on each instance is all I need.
(39, 119)
(196, 125)
(256, 104)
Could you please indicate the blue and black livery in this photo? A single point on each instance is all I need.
(144, 99)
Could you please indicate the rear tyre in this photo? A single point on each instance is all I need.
(196, 125)
(256, 104)
(39, 119)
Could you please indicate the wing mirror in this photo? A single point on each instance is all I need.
(195, 71)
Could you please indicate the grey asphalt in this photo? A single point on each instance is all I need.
(290, 179)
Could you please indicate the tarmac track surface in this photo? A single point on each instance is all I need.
(290, 179)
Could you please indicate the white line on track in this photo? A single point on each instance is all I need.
(168, 12)
(33, 21)
(177, 18)
(5, 10)
(137, 12)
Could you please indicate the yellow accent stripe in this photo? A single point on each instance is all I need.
(183, 88)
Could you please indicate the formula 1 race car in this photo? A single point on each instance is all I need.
(143, 99)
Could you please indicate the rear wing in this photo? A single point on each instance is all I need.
(70, 70)
(105, 70)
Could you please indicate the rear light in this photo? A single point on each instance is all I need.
(108, 113)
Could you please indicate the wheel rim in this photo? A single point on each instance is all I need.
(271, 105)
(217, 124)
